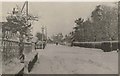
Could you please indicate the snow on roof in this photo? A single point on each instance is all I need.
(34, 39)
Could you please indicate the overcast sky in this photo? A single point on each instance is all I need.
(57, 17)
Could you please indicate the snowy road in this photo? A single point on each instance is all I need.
(75, 60)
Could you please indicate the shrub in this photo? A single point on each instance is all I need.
(106, 46)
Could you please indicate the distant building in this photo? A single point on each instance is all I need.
(34, 39)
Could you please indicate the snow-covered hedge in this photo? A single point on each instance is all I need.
(106, 46)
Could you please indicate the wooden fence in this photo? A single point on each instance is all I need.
(11, 49)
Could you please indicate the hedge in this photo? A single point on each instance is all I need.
(106, 46)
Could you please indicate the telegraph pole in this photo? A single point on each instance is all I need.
(26, 8)
(42, 35)
(46, 33)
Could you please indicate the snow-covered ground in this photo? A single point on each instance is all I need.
(75, 60)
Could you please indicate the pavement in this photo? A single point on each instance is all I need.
(59, 59)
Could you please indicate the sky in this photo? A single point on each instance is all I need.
(58, 17)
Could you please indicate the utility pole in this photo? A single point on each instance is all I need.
(46, 33)
(26, 8)
(42, 34)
